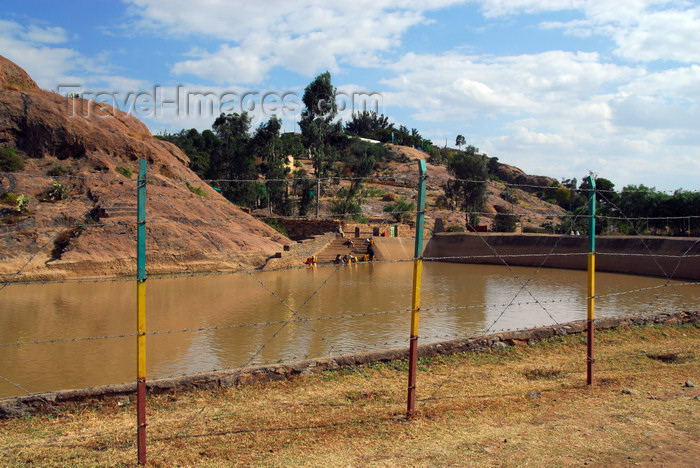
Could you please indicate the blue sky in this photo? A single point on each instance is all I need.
(555, 87)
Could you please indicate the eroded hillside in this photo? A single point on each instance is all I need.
(71, 209)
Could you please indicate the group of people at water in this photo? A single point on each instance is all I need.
(348, 258)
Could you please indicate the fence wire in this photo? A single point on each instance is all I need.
(507, 308)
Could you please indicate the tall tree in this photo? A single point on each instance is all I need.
(368, 124)
(360, 162)
(304, 187)
(317, 126)
(460, 141)
(267, 145)
(469, 186)
(198, 147)
(234, 160)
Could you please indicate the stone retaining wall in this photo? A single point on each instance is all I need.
(368, 229)
(47, 402)
(307, 228)
(667, 257)
(298, 252)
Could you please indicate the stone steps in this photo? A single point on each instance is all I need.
(338, 246)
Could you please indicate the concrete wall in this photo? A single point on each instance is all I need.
(651, 256)
(395, 248)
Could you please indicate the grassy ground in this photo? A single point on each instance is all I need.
(521, 406)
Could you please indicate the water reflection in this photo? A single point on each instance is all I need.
(349, 309)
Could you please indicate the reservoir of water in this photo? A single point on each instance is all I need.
(245, 320)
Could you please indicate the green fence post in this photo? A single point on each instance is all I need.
(141, 314)
(415, 297)
(591, 279)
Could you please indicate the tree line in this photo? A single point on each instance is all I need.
(253, 170)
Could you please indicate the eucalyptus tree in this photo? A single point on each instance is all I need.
(468, 188)
(460, 141)
(233, 163)
(267, 145)
(318, 128)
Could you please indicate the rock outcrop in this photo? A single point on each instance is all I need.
(86, 225)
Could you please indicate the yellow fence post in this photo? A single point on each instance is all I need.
(415, 296)
(591, 280)
(141, 314)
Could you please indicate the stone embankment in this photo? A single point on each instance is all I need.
(46, 402)
(295, 254)
(666, 257)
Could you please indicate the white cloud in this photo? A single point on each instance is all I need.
(496, 8)
(306, 37)
(642, 30)
(453, 85)
(662, 100)
(26, 47)
(227, 65)
(665, 35)
(35, 49)
(48, 35)
(553, 112)
(559, 113)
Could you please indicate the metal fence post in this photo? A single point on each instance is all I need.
(141, 314)
(415, 296)
(591, 279)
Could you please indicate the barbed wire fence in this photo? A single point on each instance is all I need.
(494, 313)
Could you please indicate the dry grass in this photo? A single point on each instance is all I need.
(523, 406)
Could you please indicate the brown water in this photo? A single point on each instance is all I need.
(349, 309)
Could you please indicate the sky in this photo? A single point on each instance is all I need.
(561, 88)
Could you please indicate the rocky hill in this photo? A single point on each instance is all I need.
(71, 209)
(532, 211)
(397, 180)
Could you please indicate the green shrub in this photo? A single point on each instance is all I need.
(22, 204)
(57, 192)
(454, 228)
(10, 161)
(372, 192)
(125, 171)
(401, 211)
(8, 198)
(505, 223)
(196, 190)
(508, 194)
(58, 171)
(274, 223)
